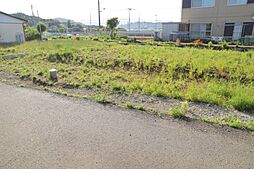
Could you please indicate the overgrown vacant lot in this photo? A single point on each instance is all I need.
(224, 78)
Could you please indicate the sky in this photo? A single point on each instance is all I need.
(81, 10)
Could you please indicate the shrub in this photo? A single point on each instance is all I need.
(31, 33)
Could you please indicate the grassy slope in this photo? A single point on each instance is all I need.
(217, 77)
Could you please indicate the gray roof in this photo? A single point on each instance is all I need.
(13, 16)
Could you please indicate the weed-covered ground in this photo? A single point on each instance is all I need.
(217, 77)
(224, 78)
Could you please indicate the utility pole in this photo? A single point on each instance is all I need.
(156, 21)
(90, 19)
(39, 24)
(130, 18)
(99, 13)
(32, 9)
(139, 27)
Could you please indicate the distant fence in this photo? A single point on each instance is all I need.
(137, 33)
(243, 40)
(187, 38)
(126, 33)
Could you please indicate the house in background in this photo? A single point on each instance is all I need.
(214, 19)
(232, 19)
(11, 29)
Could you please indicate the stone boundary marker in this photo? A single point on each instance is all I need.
(12, 56)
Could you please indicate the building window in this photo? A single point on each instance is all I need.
(208, 31)
(237, 2)
(229, 30)
(201, 30)
(247, 28)
(186, 4)
(184, 27)
(234, 31)
(202, 3)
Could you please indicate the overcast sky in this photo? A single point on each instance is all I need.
(79, 10)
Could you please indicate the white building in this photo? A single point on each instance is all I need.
(11, 29)
(168, 28)
(173, 30)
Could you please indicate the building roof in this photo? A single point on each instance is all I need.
(13, 16)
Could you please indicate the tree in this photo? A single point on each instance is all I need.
(112, 24)
(69, 25)
(78, 28)
(41, 27)
(61, 28)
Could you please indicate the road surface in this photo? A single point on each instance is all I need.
(44, 130)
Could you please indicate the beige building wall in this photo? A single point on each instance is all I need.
(219, 15)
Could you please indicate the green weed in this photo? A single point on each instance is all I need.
(130, 105)
(179, 111)
(102, 98)
(231, 121)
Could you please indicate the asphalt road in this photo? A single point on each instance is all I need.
(43, 130)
